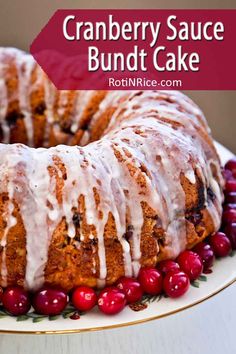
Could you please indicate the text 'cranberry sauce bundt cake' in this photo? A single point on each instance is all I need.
(95, 184)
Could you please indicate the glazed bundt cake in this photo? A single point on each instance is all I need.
(95, 184)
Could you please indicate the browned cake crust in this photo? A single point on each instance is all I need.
(135, 129)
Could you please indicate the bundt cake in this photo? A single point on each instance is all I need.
(96, 184)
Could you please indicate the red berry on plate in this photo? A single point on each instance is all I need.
(176, 284)
(206, 254)
(231, 165)
(168, 266)
(84, 298)
(49, 301)
(191, 264)
(220, 244)
(229, 216)
(111, 300)
(230, 186)
(151, 280)
(229, 206)
(230, 231)
(131, 288)
(230, 198)
(16, 301)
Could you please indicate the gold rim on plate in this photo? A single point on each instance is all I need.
(126, 324)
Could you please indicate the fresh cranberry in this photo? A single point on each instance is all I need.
(50, 302)
(151, 280)
(220, 244)
(230, 231)
(168, 266)
(230, 186)
(111, 300)
(230, 206)
(231, 165)
(230, 198)
(227, 175)
(206, 254)
(176, 284)
(16, 301)
(131, 288)
(84, 298)
(191, 264)
(229, 216)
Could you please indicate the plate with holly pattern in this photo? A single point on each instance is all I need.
(149, 308)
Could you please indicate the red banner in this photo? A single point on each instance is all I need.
(139, 49)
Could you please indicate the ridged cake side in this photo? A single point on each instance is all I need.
(147, 184)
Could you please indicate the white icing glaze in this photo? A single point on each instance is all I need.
(83, 99)
(152, 137)
(24, 72)
(49, 96)
(10, 222)
(62, 104)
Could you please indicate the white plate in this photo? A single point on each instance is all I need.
(224, 274)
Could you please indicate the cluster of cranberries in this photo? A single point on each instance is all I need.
(229, 214)
(170, 277)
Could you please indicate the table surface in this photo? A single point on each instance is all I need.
(205, 328)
